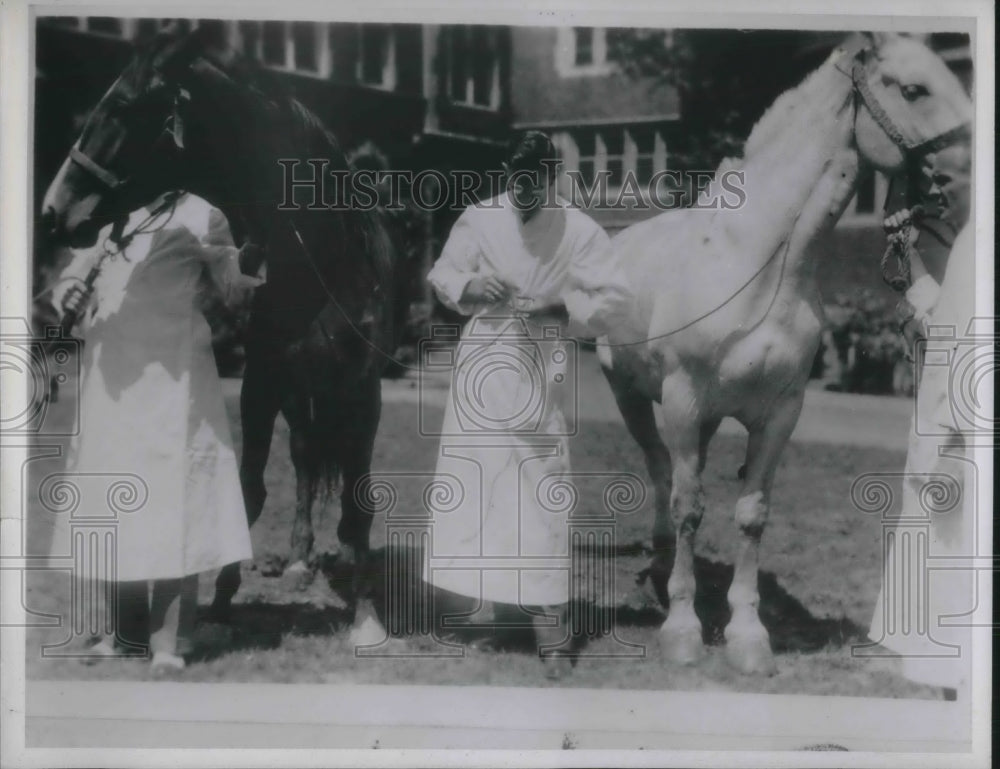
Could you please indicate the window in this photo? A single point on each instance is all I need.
(645, 152)
(376, 55)
(304, 44)
(273, 43)
(301, 46)
(106, 25)
(614, 156)
(473, 75)
(586, 143)
(582, 51)
(583, 46)
(482, 66)
(146, 28)
(250, 34)
(457, 56)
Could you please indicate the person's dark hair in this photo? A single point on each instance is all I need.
(531, 151)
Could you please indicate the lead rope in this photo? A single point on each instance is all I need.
(114, 245)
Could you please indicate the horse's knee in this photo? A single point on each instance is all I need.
(751, 514)
(687, 507)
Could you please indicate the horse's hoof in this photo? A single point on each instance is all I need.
(347, 555)
(297, 577)
(368, 633)
(683, 645)
(751, 655)
(557, 666)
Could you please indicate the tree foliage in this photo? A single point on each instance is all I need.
(726, 79)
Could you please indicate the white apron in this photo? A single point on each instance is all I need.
(918, 612)
(501, 533)
(151, 404)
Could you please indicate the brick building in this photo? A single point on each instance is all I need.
(424, 96)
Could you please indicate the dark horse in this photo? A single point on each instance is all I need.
(188, 113)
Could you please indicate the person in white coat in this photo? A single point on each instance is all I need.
(532, 272)
(151, 405)
(915, 613)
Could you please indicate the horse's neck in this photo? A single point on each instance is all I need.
(799, 181)
(784, 166)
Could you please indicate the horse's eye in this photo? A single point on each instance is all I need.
(913, 92)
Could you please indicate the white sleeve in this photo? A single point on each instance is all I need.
(458, 264)
(924, 290)
(74, 273)
(597, 294)
(221, 259)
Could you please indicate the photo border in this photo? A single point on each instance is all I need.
(81, 708)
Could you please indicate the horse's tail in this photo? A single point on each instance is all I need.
(314, 409)
(324, 432)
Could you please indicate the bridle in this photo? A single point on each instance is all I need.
(961, 132)
(914, 151)
(173, 127)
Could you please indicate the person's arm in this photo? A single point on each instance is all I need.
(68, 290)
(222, 261)
(923, 291)
(457, 276)
(597, 294)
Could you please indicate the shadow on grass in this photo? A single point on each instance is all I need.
(406, 606)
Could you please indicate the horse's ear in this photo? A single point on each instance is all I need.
(176, 49)
(876, 40)
(213, 37)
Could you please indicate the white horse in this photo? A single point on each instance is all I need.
(728, 317)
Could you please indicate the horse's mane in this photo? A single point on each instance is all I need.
(782, 115)
(266, 95)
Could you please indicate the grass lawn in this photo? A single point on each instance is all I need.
(820, 574)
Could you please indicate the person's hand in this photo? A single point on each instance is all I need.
(75, 300)
(487, 289)
(898, 226)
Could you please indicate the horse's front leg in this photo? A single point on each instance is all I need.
(681, 635)
(748, 646)
(258, 410)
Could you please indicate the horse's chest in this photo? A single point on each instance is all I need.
(770, 357)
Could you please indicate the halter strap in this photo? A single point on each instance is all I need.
(878, 112)
(108, 178)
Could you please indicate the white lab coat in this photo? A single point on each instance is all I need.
(925, 587)
(151, 403)
(500, 520)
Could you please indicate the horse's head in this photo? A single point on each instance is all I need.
(909, 103)
(134, 145)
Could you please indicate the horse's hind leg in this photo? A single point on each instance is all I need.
(357, 443)
(748, 646)
(637, 411)
(298, 575)
(258, 409)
